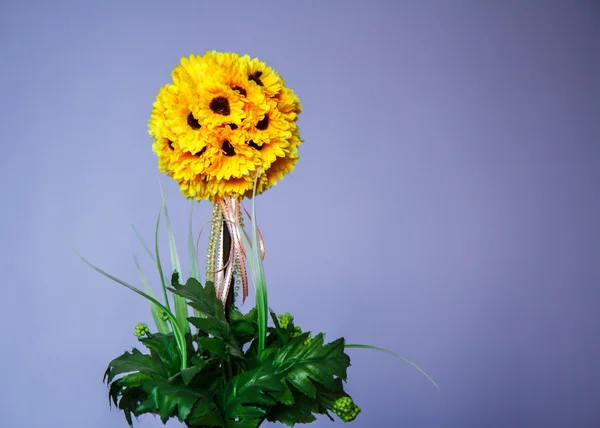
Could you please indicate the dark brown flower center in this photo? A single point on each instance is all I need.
(220, 105)
(263, 123)
(170, 144)
(201, 152)
(255, 77)
(193, 122)
(240, 90)
(254, 145)
(233, 126)
(227, 148)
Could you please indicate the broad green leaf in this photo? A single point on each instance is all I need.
(164, 346)
(312, 361)
(171, 400)
(248, 395)
(188, 375)
(130, 401)
(243, 326)
(133, 379)
(326, 397)
(126, 386)
(245, 423)
(301, 412)
(250, 316)
(206, 414)
(135, 362)
(204, 299)
(243, 331)
(214, 345)
(285, 397)
(212, 327)
(206, 302)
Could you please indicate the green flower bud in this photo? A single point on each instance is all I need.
(284, 320)
(141, 329)
(345, 409)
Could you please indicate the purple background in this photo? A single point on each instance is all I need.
(445, 207)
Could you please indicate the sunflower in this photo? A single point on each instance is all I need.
(223, 118)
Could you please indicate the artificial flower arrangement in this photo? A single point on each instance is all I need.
(225, 129)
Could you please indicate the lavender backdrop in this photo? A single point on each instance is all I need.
(446, 203)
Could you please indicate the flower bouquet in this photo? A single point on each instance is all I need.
(225, 129)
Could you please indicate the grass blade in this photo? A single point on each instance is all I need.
(157, 260)
(179, 337)
(139, 237)
(193, 259)
(258, 274)
(192, 255)
(161, 324)
(397, 356)
(181, 308)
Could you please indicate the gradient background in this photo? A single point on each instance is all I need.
(445, 207)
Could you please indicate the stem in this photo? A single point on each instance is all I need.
(226, 252)
(229, 370)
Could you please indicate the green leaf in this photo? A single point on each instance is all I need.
(188, 375)
(397, 356)
(243, 332)
(248, 395)
(165, 348)
(124, 387)
(243, 326)
(171, 400)
(133, 380)
(131, 399)
(206, 302)
(135, 362)
(326, 398)
(227, 345)
(301, 412)
(214, 345)
(204, 299)
(285, 397)
(206, 414)
(312, 361)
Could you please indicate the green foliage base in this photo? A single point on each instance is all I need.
(227, 382)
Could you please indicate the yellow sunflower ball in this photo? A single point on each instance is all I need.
(224, 117)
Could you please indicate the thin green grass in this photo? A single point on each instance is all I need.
(181, 308)
(257, 272)
(397, 356)
(161, 324)
(179, 336)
